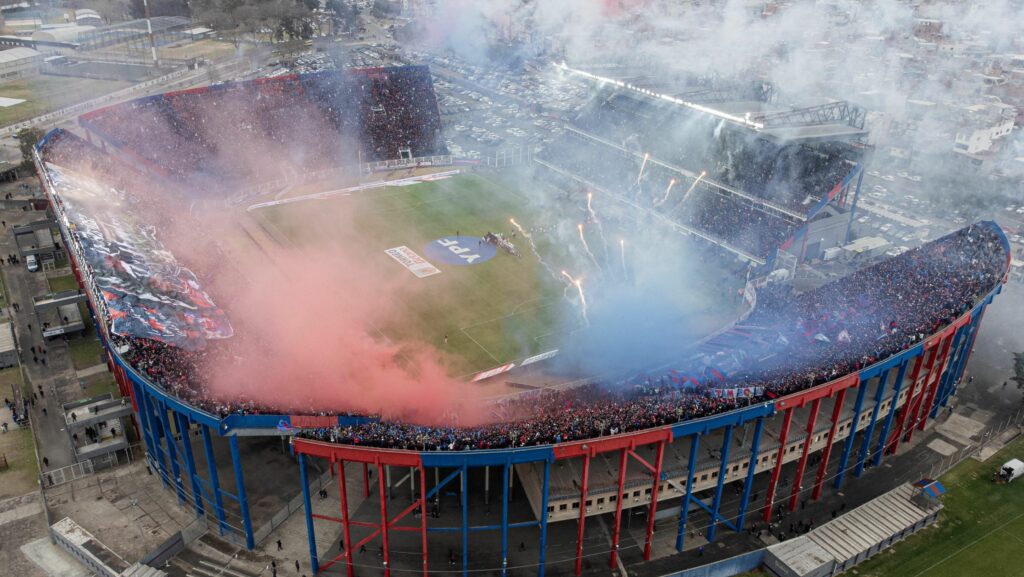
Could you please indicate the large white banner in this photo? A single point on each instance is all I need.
(416, 264)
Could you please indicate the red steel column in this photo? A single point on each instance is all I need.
(383, 517)
(343, 495)
(936, 377)
(912, 417)
(423, 516)
(770, 497)
(366, 480)
(798, 479)
(837, 411)
(654, 500)
(901, 419)
(583, 512)
(623, 462)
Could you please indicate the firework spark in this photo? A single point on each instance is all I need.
(622, 251)
(533, 247)
(668, 190)
(578, 283)
(586, 247)
(647, 156)
(693, 186)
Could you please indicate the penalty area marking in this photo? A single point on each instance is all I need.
(967, 546)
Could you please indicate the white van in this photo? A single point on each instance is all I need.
(32, 263)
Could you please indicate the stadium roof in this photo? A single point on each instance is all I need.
(15, 54)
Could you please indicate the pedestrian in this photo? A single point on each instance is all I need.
(279, 547)
(700, 551)
(446, 339)
(296, 565)
(44, 411)
(451, 556)
(46, 462)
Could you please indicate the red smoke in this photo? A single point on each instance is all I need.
(305, 323)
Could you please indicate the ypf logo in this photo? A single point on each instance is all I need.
(460, 250)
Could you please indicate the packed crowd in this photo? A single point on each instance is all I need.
(836, 329)
(259, 130)
(730, 219)
(790, 176)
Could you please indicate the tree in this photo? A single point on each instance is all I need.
(27, 139)
(159, 8)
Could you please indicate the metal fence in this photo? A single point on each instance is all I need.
(990, 434)
(57, 477)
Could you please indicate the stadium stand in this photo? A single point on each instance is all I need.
(813, 337)
(789, 175)
(230, 132)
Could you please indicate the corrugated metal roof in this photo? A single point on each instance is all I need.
(15, 54)
(6, 338)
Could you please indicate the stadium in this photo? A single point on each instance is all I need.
(484, 361)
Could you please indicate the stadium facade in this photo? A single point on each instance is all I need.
(851, 422)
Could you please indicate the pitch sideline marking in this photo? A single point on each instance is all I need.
(483, 348)
(967, 546)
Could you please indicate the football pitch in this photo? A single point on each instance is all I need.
(491, 312)
(979, 532)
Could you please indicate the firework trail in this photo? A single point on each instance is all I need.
(693, 186)
(668, 190)
(533, 247)
(647, 156)
(593, 217)
(586, 246)
(578, 283)
(622, 251)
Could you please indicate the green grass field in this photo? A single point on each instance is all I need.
(980, 531)
(62, 283)
(494, 312)
(44, 93)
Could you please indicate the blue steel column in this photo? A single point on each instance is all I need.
(896, 387)
(953, 372)
(156, 431)
(883, 382)
(465, 520)
(190, 462)
(243, 502)
(862, 388)
(172, 452)
(684, 508)
(978, 316)
(314, 563)
(211, 465)
(147, 433)
(723, 469)
(504, 519)
(544, 517)
(749, 483)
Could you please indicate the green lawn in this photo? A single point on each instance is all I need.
(85, 351)
(62, 283)
(980, 531)
(100, 384)
(13, 376)
(43, 93)
(493, 312)
(22, 473)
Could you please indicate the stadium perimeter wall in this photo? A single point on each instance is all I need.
(905, 391)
